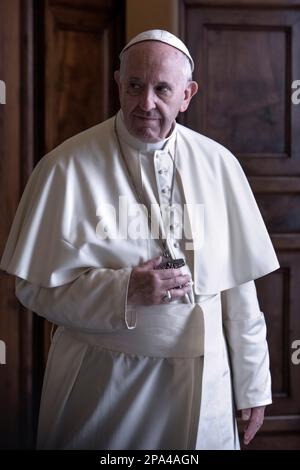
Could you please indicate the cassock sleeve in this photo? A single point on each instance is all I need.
(245, 331)
(96, 301)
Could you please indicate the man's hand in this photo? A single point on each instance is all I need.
(255, 418)
(148, 285)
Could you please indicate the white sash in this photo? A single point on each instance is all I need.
(174, 330)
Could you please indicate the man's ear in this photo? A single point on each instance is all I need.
(117, 77)
(190, 90)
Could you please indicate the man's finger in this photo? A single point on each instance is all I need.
(246, 413)
(171, 273)
(256, 421)
(251, 430)
(151, 263)
(172, 283)
(177, 293)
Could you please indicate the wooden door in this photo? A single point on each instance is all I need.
(11, 378)
(57, 59)
(82, 42)
(247, 55)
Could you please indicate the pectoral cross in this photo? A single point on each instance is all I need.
(168, 261)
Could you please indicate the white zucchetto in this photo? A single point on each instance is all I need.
(161, 36)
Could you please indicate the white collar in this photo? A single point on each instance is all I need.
(138, 144)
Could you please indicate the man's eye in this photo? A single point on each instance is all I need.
(162, 89)
(134, 86)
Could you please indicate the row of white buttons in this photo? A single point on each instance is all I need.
(165, 189)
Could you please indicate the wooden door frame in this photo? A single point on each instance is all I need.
(32, 145)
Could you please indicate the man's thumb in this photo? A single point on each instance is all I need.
(152, 263)
(246, 413)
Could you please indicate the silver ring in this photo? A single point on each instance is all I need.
(167, 297)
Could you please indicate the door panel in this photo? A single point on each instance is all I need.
(246, 56)
(82, 43)
(83, 40)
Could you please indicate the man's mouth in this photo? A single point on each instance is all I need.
(147, 118)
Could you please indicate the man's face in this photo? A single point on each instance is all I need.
(153, 88)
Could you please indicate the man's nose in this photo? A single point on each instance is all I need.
(147, 99)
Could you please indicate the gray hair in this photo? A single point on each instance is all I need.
(187, 69)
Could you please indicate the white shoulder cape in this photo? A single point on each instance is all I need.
(53, 238)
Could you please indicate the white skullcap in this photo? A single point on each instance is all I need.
(161, 36)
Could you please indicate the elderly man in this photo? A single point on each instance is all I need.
(145, 357)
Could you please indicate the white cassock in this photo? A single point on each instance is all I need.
(147, 377)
